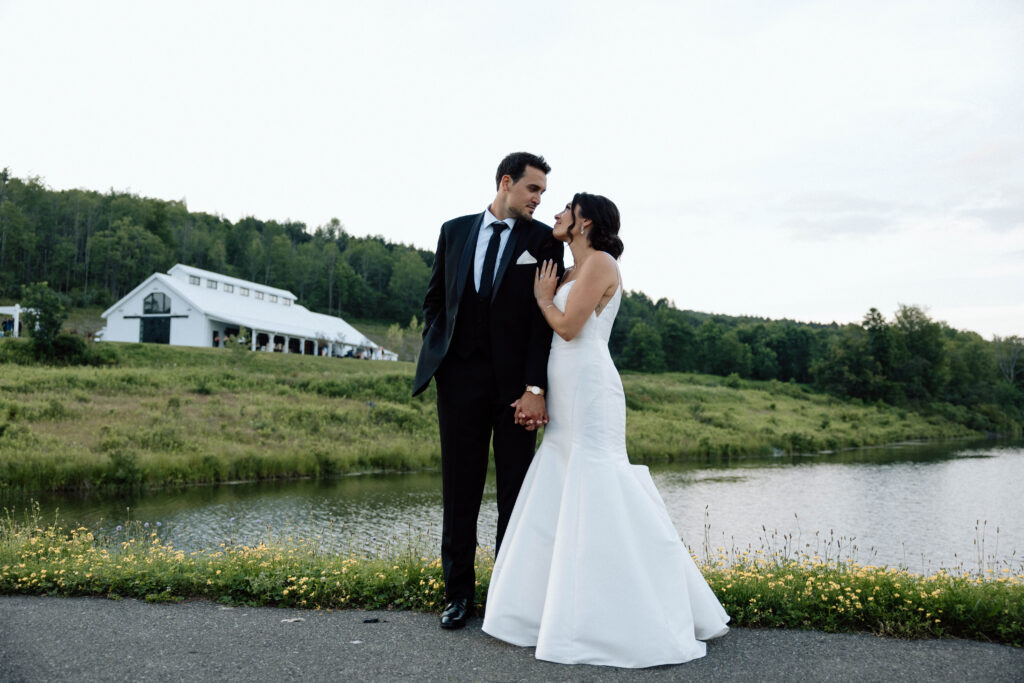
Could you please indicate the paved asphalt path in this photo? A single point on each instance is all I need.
(93, 639)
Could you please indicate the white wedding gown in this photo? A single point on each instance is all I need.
(591, 569)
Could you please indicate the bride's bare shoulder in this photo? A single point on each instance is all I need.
(603, 266)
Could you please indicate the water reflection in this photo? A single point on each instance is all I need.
(915, 505)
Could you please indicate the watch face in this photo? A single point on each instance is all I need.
(535, 391)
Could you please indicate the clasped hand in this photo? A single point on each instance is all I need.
(530, 411)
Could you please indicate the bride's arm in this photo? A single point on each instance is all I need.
(594, 280)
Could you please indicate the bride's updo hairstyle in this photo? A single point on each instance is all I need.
(603, 232)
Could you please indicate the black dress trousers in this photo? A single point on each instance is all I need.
(470, 414)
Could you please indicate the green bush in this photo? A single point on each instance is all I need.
(64, 349)
(45, 312)
(16, 351)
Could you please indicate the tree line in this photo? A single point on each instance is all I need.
(908, 360)
(95, 247)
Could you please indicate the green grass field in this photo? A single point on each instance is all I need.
(164, 416)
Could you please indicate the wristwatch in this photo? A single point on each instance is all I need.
(535, 390)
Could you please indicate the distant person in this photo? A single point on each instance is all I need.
(592, 570)
(486, 345)
(216, 339)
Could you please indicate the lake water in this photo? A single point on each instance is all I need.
(917, 505)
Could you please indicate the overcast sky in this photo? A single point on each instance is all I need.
(806, 160)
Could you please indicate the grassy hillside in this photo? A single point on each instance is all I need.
(173, 415)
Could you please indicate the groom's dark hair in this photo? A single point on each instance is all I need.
(514, 165)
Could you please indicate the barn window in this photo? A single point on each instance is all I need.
(157, 302)
(212, 284)
(258, 294)
(193, 279)
(273, 298)
(229, 288)
(244, 291)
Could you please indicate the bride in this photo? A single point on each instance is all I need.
(591, 569)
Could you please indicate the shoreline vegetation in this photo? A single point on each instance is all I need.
(156, 416)
(763, 588)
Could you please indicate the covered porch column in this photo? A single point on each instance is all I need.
(15, 312)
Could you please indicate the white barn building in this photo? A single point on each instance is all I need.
(193, 307)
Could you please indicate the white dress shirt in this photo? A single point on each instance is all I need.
(484, 238)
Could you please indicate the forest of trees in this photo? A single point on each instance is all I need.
(95, 247)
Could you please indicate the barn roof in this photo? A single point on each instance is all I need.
(282, 316)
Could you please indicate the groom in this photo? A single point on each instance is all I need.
(486, 345)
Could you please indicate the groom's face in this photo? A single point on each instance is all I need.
(524, 194)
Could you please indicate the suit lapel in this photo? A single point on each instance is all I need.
(514, 239)
(468, 255)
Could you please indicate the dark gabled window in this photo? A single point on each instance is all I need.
(157, 302)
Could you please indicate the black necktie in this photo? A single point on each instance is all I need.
(490, 258)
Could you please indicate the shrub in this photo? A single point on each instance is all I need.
(45, 313)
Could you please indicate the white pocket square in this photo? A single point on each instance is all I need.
(525, 259)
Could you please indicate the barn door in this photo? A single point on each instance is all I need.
(155, 330)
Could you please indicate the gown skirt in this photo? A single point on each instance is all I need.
(591, 569)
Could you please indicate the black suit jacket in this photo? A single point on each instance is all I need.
(520, 337)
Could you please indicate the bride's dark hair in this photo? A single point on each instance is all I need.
(603, 232)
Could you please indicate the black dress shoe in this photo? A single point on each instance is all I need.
(456, 613)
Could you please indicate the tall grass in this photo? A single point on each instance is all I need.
(165, 416)
(824, 584)
(762, 588)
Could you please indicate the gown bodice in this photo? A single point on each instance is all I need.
(598, 327)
